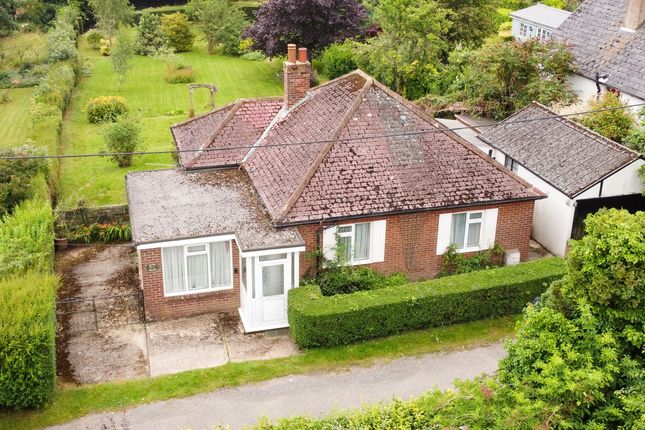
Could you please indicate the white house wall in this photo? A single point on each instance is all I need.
(585, 88)
(623, 182)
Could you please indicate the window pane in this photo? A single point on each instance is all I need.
(458, 230)
(273, 280)
(273, 257)
(345, 249)
(196, 248)
(220, 264)
(475, 215)
(474, 230)
(173, 269)
(345, 229)
(362, 241)
(197, 272)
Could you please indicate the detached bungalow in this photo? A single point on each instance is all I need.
(579, 170)
(264, 182)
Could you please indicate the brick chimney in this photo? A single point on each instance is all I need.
(297, 72)
(635, 14)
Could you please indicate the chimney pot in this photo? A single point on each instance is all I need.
(291, 52)
(302, 55)
(635, 14)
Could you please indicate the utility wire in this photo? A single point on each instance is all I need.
(314, 142)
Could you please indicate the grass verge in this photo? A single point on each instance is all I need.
(74, 402)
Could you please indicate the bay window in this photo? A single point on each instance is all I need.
(197, 268)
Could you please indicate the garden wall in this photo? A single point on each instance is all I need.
(116, 214)
(327, 321)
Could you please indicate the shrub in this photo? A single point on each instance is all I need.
(253, 56)
(94, 38)
(123, 136)
(27, 344)
(349, 279)
(176, 30)
(455, 263)
(105, 48)
(16, 177)
(150, 39)
(326, 321)
(105, 109)
(614, 124)
(182, 75)
(339, 59)
(101, 233)
(61, 41)
(27, 238)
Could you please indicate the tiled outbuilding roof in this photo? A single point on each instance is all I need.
(319, 159)
(599, 44)
(565, 154)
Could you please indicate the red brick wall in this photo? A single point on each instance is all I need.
(411, 239)
(296, 81)
(158, 307)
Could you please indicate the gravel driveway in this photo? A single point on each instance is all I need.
(313, 394)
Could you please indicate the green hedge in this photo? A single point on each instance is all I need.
(27, 343)
(326, 321)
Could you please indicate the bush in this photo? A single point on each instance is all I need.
(339, 59)
(614, 124)
(27, 344)
(16, 177)
(327, 321)
(183, 75)
(61, 41)
(94, 38)
(105, 47)
(456, 263)
(123, 136)
(105, 109)
(350, 279)
(253, 56)
(150, 39)
(101, 233)
(27, 239)
(176, 30)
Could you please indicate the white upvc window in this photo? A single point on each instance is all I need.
(543, 34)
(359, 243)
(197, 268)
(523, 29)
(469, 231)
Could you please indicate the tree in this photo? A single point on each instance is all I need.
(150, 38)
(222, 23)
(614, 124)
(176, 30)
(110, 14)
(407, 54)
(472, 21)
(121, 55)
(314, 24)
(7, 20)
(16, 176)
(122, 137)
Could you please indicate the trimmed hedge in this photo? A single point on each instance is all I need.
(28, 341)
(327, 321)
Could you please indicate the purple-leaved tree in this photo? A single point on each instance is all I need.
(314, 24)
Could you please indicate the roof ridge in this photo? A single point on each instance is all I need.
(358, 100)
(236, 106)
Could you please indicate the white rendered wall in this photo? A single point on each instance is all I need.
(586, 88)
(623, 182)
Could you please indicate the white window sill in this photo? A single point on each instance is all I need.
(206, 290)
(471, 249)
(359, 262)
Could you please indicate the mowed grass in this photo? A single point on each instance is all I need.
(23, 48)
(98, 181)
(74, 402)
(15, 121)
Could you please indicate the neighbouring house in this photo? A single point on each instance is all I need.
(579, 170)
(265, 183)
(538, 21)
(607, 39)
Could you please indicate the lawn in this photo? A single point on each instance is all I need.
(15, 121)
(74, 402)
(98, 181)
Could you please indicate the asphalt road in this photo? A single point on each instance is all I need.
(313, 394)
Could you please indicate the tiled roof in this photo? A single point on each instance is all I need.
(599, 45)
(543, 15)
(177, 204)
(236, 126)
(565, 154)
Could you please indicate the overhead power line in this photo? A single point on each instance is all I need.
(315, 142)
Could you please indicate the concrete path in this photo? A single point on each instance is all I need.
(313, 394)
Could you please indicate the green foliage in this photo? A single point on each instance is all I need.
(61, 41)
(176, 30)
(636, 137)
(27, 239)
(16, 177)
(500, 79)
(105, 47)
(7, 17)
(101, 233)
(472, 21)
(222, 23)
(121, 56)
(614, 124)
(183, 75)
(27, 344)
(93, 38)
(455, 263)
(123, 136)
(340, 279)
(324, 321)
(339, 59)
(150, 39)
(105, 109)
(110, 14)
(253, 56)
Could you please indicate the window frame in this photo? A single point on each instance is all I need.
(512, 165)
(352, 234)
(524, 29)
(206, 252)
(479, 221)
